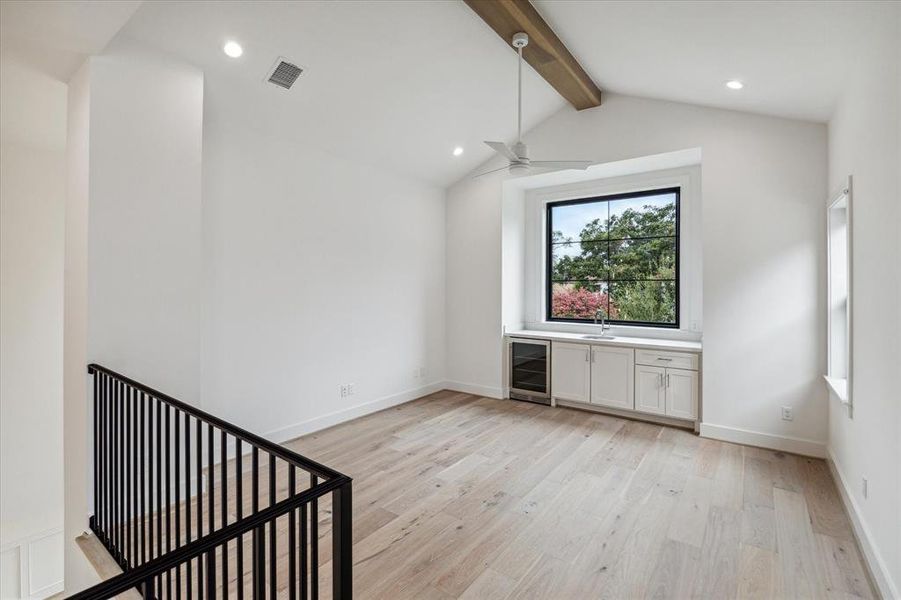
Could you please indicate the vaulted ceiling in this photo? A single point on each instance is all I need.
(396, 84)
(399, 84)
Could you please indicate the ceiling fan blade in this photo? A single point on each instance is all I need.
(504, 168)
(503, 149)
(561, 164)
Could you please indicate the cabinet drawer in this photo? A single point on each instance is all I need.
(675, 360)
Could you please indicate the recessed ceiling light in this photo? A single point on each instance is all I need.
(734, 84)
(233, 49)
(458, 151)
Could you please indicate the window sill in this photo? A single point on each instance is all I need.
(655, 333)
(838, 386)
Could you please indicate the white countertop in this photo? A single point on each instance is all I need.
(617, 340)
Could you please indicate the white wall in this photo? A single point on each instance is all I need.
(474, 298)
(763, 186)
(133, 246)
(864, 142)
(79, 574)
(319, 272)
(146, 118)
(32, 204)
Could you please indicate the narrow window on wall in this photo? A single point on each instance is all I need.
(838, 220)
(615, 257)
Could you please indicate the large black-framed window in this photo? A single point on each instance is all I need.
(615, 256)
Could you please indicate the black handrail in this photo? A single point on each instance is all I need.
(138, 505)
(252, 438)
(137, 576)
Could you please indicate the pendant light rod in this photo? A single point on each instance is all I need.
(520, 41)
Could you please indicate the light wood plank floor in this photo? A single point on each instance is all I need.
(457, 496)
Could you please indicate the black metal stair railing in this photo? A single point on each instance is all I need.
(191, 506)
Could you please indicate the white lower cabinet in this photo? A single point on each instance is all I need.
(612, 381)
(650, 389)
(682, 393)
(570, 371)
(649, 381)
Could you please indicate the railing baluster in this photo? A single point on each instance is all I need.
(142, 457)
(223, 485)
(127, 464)
(159, 486)
(188, 575)
(117, 482)
(168, 498)
(104, 522)
(314, 542)
(126, 454)
(134, 478)
(211, 574)
(239, 514)
(148, 401)
(211, 500)
(292, 535)
(272, 548)
(259, 562)
(199, 496)
(112, 469)
(147, 589)
(342, 543)
(94, 522)
(303, 552)
(177, 479)
(256, 573)
(211, 479)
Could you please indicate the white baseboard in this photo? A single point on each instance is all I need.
(296, 430)
(764, 440)
(475, 389)
(32, 567)
(876, 566)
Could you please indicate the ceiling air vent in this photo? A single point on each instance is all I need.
(284, 74)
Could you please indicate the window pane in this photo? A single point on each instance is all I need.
(575, 222)
(583, 261)
(648, 301)
(653, 258)
(578, 299)
(644, 216)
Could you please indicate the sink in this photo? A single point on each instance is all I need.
(599, 337)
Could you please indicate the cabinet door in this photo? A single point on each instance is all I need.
(612, 380)
(570, 372)
(650, 389)
(682, 393)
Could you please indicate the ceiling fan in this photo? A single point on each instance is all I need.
(517, 155)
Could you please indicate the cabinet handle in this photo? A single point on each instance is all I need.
(586, 355)
(667, 380)
(665, 359)
(660, 378)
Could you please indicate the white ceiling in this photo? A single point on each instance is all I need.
(54, 37)
(792, 56)
(397, 84)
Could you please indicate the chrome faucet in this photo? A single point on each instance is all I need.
(604, 325)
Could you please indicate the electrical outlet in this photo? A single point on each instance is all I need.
(864, 487)
(787, 413)
(342, 390)
(350, 389)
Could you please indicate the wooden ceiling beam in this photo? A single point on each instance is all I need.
(545, 52)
